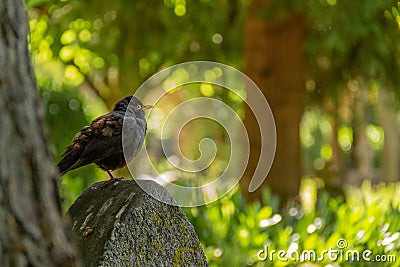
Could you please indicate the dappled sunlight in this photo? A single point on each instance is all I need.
(242, 230)
(329, 71)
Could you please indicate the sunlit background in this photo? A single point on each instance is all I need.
(89, 54)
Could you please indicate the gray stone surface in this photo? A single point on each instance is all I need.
(120, 225)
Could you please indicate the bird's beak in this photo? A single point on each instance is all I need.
(147, 107)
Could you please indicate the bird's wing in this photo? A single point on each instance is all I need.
(97, 141)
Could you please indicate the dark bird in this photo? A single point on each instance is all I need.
(102, 142)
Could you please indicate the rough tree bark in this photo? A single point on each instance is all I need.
(275, 62)
(32, 232)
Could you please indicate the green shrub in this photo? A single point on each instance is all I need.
(366, 220)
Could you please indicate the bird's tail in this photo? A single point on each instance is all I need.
(62, 168)
(66, 164)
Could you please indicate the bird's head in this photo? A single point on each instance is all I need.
(134, 104)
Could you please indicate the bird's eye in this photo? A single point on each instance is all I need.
(139, 107)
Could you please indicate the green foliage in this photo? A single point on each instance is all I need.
(351, 40)
(393, 14)
(233, 232)
(316, 138)
(114, 46)
(88, 51)
(108, 48)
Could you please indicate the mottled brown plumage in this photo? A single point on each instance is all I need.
(100, 142)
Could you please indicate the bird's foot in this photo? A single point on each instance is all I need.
(117, 178)
(111, 181)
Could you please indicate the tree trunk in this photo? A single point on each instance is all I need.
(32, 232)
(391, 150)
(275, 61)
(362, 153)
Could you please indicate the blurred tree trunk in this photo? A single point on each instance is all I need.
(362, 153)
(275, 62)
(31, 228)
(391, 150)
(331, 173)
